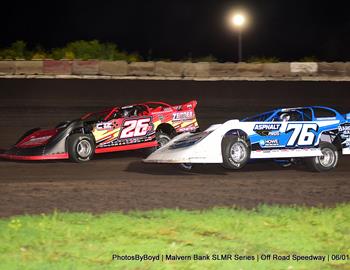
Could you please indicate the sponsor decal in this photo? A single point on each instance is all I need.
(122, 142)
(267, 143)
(269, 127)
(302, 134)
(107, 125)
(273, 133)
(187, 129)
(345, 129)
(182, 116)
(268, 133)
(136, 128)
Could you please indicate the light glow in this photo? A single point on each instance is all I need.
(238, 20)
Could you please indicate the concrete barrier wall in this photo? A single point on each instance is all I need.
(95, 69)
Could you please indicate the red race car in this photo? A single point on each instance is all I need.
(144, 125)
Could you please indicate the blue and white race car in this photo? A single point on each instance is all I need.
(314, 134)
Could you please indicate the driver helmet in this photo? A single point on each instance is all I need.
(126, 112)
(284, 117)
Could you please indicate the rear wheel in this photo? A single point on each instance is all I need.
(327, 161)
(81, 147)
(162, 139)
(235, 152)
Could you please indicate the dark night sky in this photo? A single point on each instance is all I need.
(287, 29)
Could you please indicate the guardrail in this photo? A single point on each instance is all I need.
(96, 69)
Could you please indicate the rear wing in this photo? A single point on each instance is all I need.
(191, 105)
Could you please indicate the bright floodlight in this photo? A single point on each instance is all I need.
(238, 20)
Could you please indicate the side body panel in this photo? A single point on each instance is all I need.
(268, 140)
(344, 135)
(289, 139)
(140, 131)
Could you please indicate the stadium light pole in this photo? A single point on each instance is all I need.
(238, 21)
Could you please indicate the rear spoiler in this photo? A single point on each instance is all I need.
(191, 105)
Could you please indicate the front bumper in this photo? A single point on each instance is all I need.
(37, 153)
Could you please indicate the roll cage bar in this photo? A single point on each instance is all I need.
(271, 115)
(111, 111)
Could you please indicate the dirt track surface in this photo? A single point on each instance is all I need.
(120, 181)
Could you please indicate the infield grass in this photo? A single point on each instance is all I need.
(85, 241)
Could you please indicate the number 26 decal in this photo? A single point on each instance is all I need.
(302, 134)
(135, 128)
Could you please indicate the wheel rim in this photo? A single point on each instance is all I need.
(162, 141)
(238, 152)
(328, 158)
(84, 148)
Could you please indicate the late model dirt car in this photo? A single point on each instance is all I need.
(144, 125)
(315, 134)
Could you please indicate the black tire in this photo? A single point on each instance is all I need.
(324, 163)
(81, 148)
(232, 159)
(162, 139)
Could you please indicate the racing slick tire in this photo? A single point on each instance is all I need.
(81, 147)
(235, 152)
(324, 163)
(162, 139)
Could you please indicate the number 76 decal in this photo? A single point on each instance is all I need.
(302, 134)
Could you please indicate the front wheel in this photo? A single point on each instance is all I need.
(81, 147)
(327, 161)
(235, 152)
